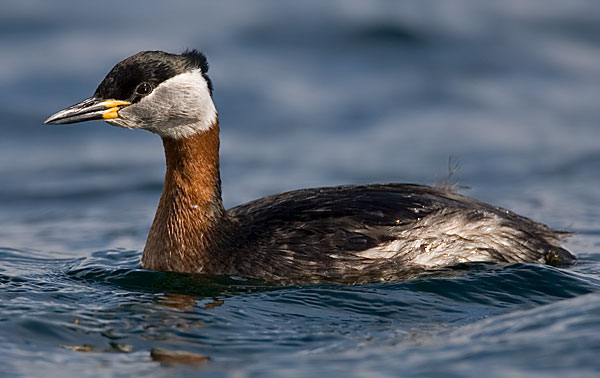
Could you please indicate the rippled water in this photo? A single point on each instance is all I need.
(309, 94)
(104, 312)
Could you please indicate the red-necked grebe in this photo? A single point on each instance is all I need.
(345, 234)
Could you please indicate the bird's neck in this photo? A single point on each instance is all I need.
(190, 217)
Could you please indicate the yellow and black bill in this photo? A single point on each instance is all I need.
(92, 108)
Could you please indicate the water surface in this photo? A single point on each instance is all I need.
(309, 94)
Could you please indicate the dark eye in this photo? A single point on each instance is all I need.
(143, 89)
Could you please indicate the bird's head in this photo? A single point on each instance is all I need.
(167, 94)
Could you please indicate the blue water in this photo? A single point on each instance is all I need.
(310, 93)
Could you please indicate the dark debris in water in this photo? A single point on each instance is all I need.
(169, 357)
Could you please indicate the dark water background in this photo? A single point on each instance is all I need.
(310, 93)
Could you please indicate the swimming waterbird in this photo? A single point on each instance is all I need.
(344, 234)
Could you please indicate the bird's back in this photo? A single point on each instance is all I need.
(350, 233)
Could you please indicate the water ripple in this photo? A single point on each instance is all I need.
(107, 304)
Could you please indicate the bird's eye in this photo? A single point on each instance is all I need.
(144, 88)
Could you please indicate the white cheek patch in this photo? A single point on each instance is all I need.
(178, 107)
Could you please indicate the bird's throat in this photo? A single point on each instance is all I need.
(188, 220)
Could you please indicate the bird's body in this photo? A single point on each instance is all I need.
(344, 234)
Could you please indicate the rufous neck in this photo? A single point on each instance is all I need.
(190, 214)
(193, 165)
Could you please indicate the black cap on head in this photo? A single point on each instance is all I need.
(134, 77)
